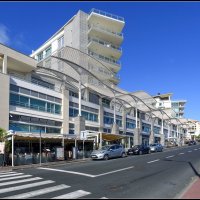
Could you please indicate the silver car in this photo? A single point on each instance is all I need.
(156, 147)
(109, 151)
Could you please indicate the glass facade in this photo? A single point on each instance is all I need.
(35, 104)
(109, 119)
(156, 130)
(146, 128)
(130, 123)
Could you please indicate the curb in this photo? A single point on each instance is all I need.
(10, 168)
(187, 188)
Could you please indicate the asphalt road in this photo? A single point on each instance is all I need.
(156, 175)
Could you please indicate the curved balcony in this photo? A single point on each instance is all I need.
(109, 20)
(105, 34)
(104, 48)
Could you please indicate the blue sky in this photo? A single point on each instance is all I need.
(161, 47)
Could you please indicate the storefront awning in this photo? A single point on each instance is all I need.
(112, 137)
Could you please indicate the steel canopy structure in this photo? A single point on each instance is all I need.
(79, 70)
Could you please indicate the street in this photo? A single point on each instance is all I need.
(156, 175)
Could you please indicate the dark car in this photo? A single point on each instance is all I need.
(139, 149)
(192, 142)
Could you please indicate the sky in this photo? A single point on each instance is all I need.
(161, 47)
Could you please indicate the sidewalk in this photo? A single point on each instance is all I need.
(192, 191)
(10, 168)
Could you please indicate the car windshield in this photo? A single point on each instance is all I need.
(136, 146)
(105, 147)
(153, 145)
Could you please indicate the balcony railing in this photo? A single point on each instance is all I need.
(109, 45)
(103, 58)
(106, 30)
(107, 14)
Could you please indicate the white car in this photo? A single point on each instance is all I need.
(156, 147)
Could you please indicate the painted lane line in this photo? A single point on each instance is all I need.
(195, 149)
(189, 151)
(170, 156)
(38, 192)
(6, 175)
(153, 161)
(73, 195)
(65, 171)
(15, 177)
(103, 198)
(114, 171)
(84, 174)
(19, 181)
(181, 153)
(21, 187)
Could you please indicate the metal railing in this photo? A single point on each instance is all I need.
(109, 45)
(106, 59)
(106, 30)
(107, 14)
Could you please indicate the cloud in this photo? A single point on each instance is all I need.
(4, 37)
(19, 41)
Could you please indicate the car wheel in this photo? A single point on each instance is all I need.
(106, 157)
(140, 152)
(149, 152)
(123, 155)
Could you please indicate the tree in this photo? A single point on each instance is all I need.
(3, 134)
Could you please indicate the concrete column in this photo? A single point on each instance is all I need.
(65, 111)
(151, 137)
(101, 115)
(79, 99)
(124, 120)
(4, 101)
(4, 70)
(162, 138)
(79, 125)
(115, 129)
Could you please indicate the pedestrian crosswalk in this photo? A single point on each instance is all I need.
(15, 185)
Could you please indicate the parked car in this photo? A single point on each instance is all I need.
(109, 151)
(156, 147)
(192, 142)
(139, 149)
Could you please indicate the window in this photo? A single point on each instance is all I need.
(24, 91)
(48, 51)
(93, 98)
(106, 102)
(14, 88)
(60, 42)
(40, 56)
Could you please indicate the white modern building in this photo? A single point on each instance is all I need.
(69, 85)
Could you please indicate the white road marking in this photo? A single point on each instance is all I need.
(189, 151)
(170, 156)
(19, 181)
(21, 187)
(195, 149)
(153, 161)
(38, 192)
(103, 198)
(3, 173)
(65, 171)
(6, 175)
(84, 174)
(181, 153)
(114, 171)
(15, 177)
(73, 195)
